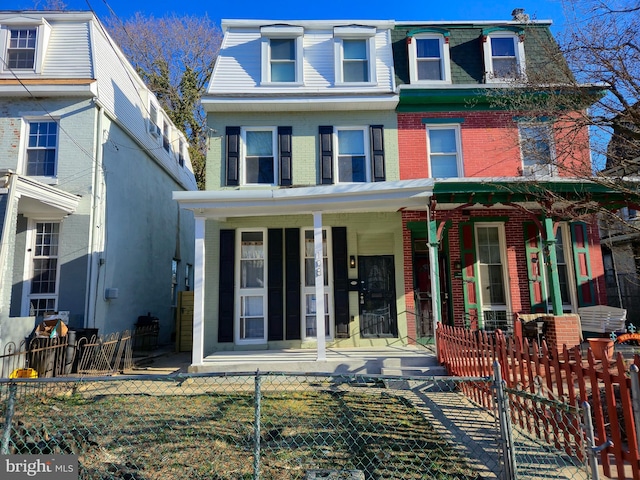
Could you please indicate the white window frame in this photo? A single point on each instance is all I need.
(155, 121)
(505, 270)
(311, 290)
(445, 58)
(459, 159)
(43, 32)
(355, 33)
(282, 32)
(255, 291)
(24, 148)
(367, 152)
(539, 169)
(166, 136)
(490, 76)
(28, 265)
(243, 154)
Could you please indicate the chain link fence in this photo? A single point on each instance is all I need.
(274, 426)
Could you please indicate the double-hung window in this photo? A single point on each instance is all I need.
(259, 160)
(281, 54)
(43, 292)
(252, 287)
(22, 44)
(355, 55)
(41, 148)
(445, 158)
(536, 148)
(493, 275)
(352, 155)
(21, 53)
(429, 60)
(504, 56)
(166, 136)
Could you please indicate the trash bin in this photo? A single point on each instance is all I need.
(77, 346)
(47, 347)
(146, 331)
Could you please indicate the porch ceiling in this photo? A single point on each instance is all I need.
(344, 198)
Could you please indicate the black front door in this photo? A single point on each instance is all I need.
(377, 296)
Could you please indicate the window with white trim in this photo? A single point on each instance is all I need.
(259, 156)
(154, 121)
(281, 54)
(565, 267)
(355, 55)
(43, 288)
(166, 136)
(536, 148)
(251, 313)
(22, 46)
(309, 287)
(492, 275)
(504, 56)
(429, 60)
(41, 148)
(352, 154)
(444, 151)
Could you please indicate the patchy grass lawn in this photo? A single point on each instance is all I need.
(209, 433)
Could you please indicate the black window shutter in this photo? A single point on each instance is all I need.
(326, 155)
(233, 155)
(377, 152)
(226, 286)
(274, 277)
(340, 281)
(284, 151)
(292, 267)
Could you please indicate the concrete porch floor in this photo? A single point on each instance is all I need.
(388, 360)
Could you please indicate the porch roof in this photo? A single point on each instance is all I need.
(343, 198)
(551, 192)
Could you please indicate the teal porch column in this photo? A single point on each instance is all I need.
(552, 267)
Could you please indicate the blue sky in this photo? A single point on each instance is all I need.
(323, 9)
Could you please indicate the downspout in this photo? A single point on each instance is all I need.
(93, 267)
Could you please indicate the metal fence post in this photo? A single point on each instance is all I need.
(256, 428)
(591, 446)
(6, 436)
(504, 418)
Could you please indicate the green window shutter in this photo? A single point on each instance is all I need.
(226, 287)
(469, 276)
(535, 264)
(582, 264)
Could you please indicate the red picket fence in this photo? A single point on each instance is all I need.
(538, 374)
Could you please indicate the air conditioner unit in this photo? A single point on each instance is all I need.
(154, 129)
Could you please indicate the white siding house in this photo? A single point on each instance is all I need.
(88, 162)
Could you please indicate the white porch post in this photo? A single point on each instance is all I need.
(197, 356)
(319, 268)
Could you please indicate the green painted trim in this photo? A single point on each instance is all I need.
(470, 279)
(503, 28)
(582, 281)
(554, 278)
(539, 119)
(498, 219)
(442, 121)
(530, 252)
(417, 227)
(416, 31)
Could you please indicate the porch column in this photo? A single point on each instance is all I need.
(552, 267)
(319, 269)
(197, 355)
(435, 272)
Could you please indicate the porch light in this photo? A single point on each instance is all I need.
(352, 261)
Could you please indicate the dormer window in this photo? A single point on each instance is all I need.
(21, 53)
(281, 54)
(23, 43)
(504, 56)
(355, 55)
(429, 60)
